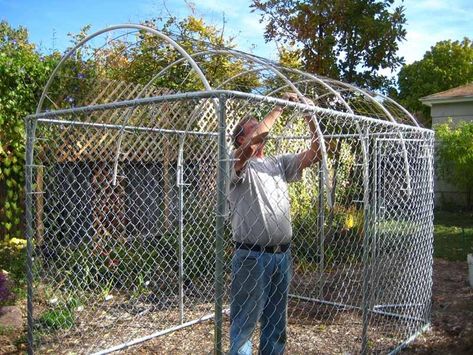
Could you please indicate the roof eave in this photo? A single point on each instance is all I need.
(444, 100)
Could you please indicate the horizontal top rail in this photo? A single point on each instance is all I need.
(135, 129)
(218, 94)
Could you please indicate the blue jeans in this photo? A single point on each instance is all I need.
(260, 283)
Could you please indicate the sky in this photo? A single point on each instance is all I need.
(49, 21)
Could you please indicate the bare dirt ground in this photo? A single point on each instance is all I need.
(451, 331)
(452, 313)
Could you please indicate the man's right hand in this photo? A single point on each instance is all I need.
(290, 96)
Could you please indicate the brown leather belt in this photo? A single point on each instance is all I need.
(274, 249)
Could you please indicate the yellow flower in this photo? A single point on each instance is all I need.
(18, 243)
(350, 221)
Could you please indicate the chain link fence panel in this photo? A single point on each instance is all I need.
(118, 262)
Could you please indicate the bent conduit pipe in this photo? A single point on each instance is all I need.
(150, 30)
(277, 73)
(358, 128)
(189, 58)
(266, 66)
(391, 118)
(301, 96)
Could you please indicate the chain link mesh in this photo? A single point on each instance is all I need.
(117, 262)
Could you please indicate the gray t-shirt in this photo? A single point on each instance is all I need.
(259, 199)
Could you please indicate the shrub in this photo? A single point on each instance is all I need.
(59, 318)
(455, 155)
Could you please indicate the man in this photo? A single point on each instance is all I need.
(262, 231)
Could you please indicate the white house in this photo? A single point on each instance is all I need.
(457, 104)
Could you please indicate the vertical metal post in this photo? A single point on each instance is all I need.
(377, 205)
(430, 232)
(366, 245)
(180, 186)
(30, 136)
(221, 181)
(320, 222)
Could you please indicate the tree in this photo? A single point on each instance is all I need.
(349, 40)
(455, 155)
(152, 54)
(448, 64)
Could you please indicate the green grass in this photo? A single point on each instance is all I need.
(453, 235)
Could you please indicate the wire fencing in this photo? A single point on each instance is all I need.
(131, 236)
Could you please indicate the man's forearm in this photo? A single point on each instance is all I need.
(313, 154)
(314, 141)
(267, 123)
(261, 132)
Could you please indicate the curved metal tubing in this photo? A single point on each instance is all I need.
(408, 114)
(159, 34)
(358, 128)
(301, 96)
(316, 123)
(266, 65)
(120, 27)
(391, 118)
